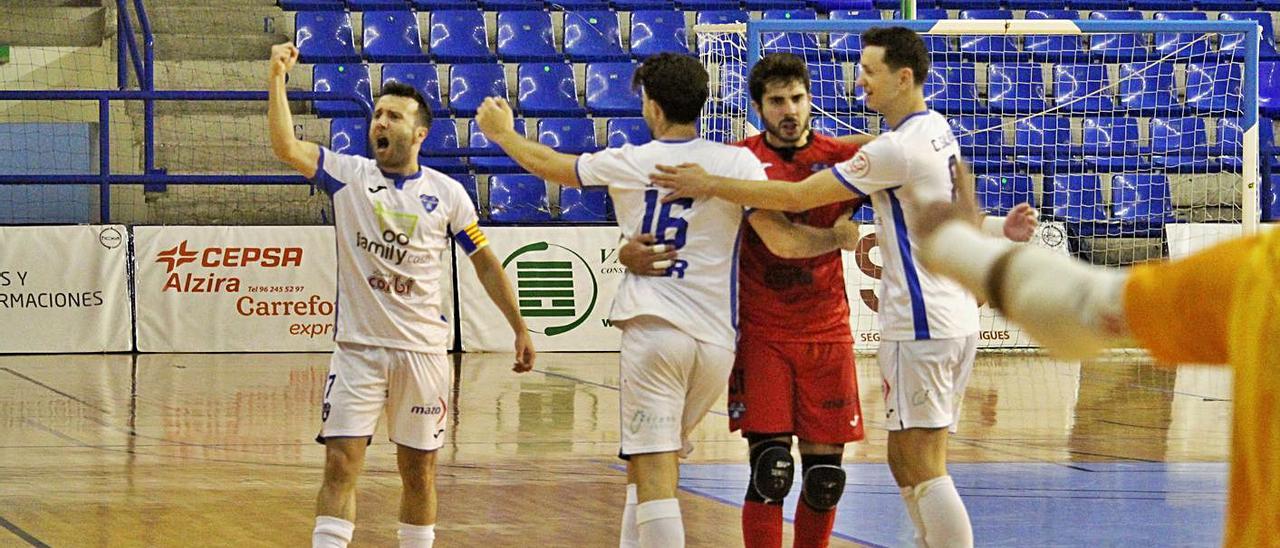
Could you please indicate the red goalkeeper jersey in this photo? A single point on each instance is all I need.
(795, 300)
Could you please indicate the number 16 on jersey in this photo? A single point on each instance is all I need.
(666, 229)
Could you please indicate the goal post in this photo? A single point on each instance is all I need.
(1136, 140)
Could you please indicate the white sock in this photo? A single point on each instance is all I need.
(942, 511)
(913, 510)
(630, 537)
(331, 532)
(416, 536)
(659, 524)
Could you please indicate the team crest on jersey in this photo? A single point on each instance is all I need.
(429, 202)
(861, 164)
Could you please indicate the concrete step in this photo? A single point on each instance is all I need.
(238, 204)
(198, 130)
(40, 24)
(218, 158)
(224, 75)
(228, 47)
(203, 19)
(153, 4)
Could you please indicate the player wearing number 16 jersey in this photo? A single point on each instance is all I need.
(678, 330)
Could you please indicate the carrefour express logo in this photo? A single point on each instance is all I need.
(555, 287)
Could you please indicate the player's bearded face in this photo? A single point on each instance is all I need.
(392, 132)
(785, 110)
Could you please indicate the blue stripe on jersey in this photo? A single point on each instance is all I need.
(399, 180)
(919, 315)
(327, 183)
(846, 183)
(909, 116)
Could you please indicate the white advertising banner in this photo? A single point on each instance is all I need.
(64, 289)
(1187, 238)
(235, 288)
(565, 279)
(862, 279)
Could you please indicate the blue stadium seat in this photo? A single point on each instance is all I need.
(621, 131)
(827, 87)
(1015, 87)
(1141, 199)
(1214, 87)
(422, 76)
(1082, 88)
(1111, 144)
(937, 45)
(838, 126)
(1112, 5)
(511, 5)
(500, 163)
(374, 5)
(518, 198)
(1038, 143)
(609, 90)
(468, 182)
(1180, 144)
(804, 44)
(847, 46)
(343, 78)
(433, 5)
(1117, 47)
(349, 136)
(1074, 198)
(578, 5)
(470, 84)
(392, 37)
(642, 5)
(440, 150)
(707, 5)
(997, 194)
(312, 5)
(1146, 89)
(526, 36)
(1228, 145)
(1269, 88)
(1053, 47)
(547, 89)
(592, 36)
(1184, 43)
(654, 32)
(459, 36)
(324, 37)
(951, 88)
(1267, 45)
(1270, 202)
(722, 17)
(1165, 5)
(568, 135)
(721, 47)
(584, 205)
(981, 140)
(988, 47)
(968, 4)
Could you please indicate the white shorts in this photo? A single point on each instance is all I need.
(924, 381)
(412, 386)
(669, 382)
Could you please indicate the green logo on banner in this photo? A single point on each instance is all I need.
(555, 287)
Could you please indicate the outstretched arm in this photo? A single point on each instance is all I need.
(301, 155)
(494, 279)
(790, 240)
(690, 180)
(497, 122)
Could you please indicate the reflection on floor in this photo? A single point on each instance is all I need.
(216, 450)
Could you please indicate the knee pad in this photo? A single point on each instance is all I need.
(823, 482)
(772, 470)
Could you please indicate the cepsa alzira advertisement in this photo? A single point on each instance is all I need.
(235, 288)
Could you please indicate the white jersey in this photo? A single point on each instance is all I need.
(699, 293)
(902, 170)
(391, 230)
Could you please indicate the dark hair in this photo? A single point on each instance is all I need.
(399, 89)
(777, 68)
(678, 83)
(903, 48)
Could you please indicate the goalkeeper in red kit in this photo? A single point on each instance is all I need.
(794, 374)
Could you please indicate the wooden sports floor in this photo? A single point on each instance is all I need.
(217, 450)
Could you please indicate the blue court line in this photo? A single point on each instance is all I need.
(32, 540)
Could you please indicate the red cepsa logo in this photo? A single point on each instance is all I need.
(221, 257)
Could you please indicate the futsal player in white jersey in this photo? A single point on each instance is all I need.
(929, 324)
(678, 330)
(392, 220)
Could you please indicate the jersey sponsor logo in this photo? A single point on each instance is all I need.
(377, 189)
(556, 288)
(429, 202)
(385, 249)
(220, 257)
(860, 165)
(642, 420)
(941, 142)
(391, 284)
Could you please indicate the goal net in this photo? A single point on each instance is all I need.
(1136, 140)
